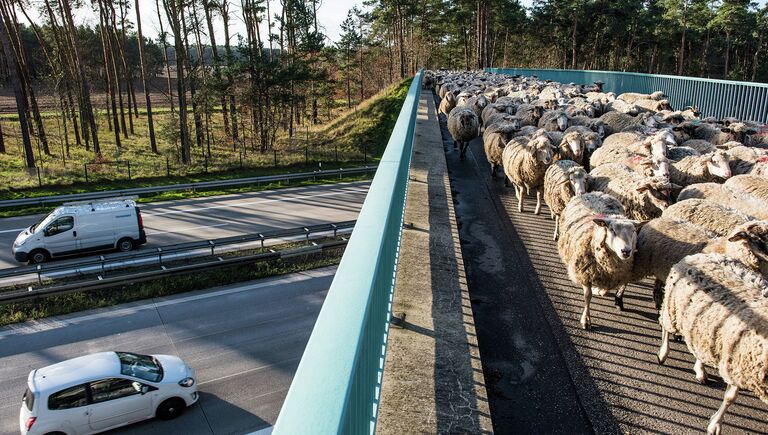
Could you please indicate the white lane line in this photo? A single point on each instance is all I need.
(55, 323)
(250, 370)
(184, 230)
(17, 230)
(262, 201)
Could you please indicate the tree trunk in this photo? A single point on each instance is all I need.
(110, 75)
(208, 9)
(21, 102)
(165, 54)
(173, 11)
(230, 79)
(727, 54)
(145, 81)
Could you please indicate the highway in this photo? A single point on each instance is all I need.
(171, 222)
(244, 341)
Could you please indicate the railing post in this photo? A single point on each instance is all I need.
(129, 170)
(39, 180)
(168, 166)
(85, 170)
(275, 154)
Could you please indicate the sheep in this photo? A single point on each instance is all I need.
(447, 104)
(528, 130)
(525, 162)
(463, 126)
(631, 97)
(675, 154)
(596, 243)
(753, 185)
(590, 141)
(497, 118)
(742, 159)
(622, 146)
(495, 138)
(652, 106)
(616, 122)
(717, 135)
(719, 306)
(554, 120)
(661, 243)
(477, 104)
(562, 181)
(728, 197)
(700, 145)
(649, 166)
(529, 114)
(714, 217)
(643, 198)
(570, 145)
(700, 169)
(621, 106)
(495, 108)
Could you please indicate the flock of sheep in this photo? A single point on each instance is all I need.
(638, 190)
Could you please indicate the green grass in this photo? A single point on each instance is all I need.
(207, 278)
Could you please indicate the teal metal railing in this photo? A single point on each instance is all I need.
(719, 98)
(337, 384)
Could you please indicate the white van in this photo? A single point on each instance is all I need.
(85, 226)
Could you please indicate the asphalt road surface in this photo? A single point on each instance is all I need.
(171, 222)
(244, 342)
(545, 374)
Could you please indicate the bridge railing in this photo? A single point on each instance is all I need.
(337, 384)
(719, 98)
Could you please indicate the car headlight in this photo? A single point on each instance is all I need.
(187, 382)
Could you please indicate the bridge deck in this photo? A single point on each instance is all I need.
(543, 373)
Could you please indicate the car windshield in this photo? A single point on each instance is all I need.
(144, 367)
(43, 222)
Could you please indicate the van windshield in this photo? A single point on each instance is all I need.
(42, 223)
(144, 367)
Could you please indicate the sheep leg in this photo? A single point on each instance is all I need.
(658, 293)
(519, 198)
(455, 144)
(618, 299)
(557, 227)
(506, 182)
(538, 202)
(701, 372)
(462, 151)
(493, 170)
(586, 321)
(714, 423)
(664, 348)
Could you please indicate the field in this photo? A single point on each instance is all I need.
(354, 137)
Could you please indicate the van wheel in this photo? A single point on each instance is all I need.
(38, 256)
(125, 244)
(170, 409)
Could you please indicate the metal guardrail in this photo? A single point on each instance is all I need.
(719, 98)
(26, 294)
(42, 200)
(124, 258)
(336, 386)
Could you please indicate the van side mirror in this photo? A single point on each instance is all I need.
(144, 389)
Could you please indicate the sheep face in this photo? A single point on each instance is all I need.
(591, 141)
(663, 105)
(574, 142)
(649, 120)
(659, 191)
(542, 148)
(754, 236)
(562, 121)
(717, 164)
(620, 234)
(577, 177)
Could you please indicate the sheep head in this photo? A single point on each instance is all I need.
(578, 177)
(541, 147)
(654, 166)
(573, 141)
(562, 120)
(659, 190)
(752, 236)
(658, 95)
(620, 234)
(716, 164)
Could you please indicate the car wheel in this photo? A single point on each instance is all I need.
(38, 256)
(125, 244)
(170, 409)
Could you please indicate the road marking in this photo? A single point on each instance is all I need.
(42, 325)
(263, 201)
(17, 230)
(187, 229)
(251, 370)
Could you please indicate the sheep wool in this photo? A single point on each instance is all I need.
(643, 197)
(753, 185)
(708, 215)
(722, 194)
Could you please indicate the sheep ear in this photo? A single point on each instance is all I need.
(643, 188)
(674, 186)
(722, 147)
(603, 222)
(741, 235)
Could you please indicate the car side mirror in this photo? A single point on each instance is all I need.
(144, 389)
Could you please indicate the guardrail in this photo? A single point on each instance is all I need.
(336, 386)
(159, 254)
(719, 98)
(26, 294)
(42, 200)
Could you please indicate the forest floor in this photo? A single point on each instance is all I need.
(355, 137)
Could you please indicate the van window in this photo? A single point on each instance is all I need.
(113, 388)
(60, 225)
(28, 399)
(70, 398)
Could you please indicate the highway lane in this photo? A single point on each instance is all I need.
(244, 341)
(170, 222)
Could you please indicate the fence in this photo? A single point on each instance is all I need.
(718, 98)
(336, 386)
(126, 170)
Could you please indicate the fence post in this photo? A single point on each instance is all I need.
(275, 152)
(129, 170)
(168, 166)
(306, 156)
(241, 160)
(85, 169)
(336, 150)
(365, 154)
(206, 162)
(39, 180)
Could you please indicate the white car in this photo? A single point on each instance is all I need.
(105, 390)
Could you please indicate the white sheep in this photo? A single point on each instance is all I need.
(753, 185)
(525, 162)
(722, 194)
(562, 181)
(719, 306)
(463, 125)
(495, 138)
(631, 97)
(554, 120)
(643, 197)
(700, 169)
(622, 146)
(742, 159)
(447, 104)
(596, 244)
(710, 215)
(529, 114)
